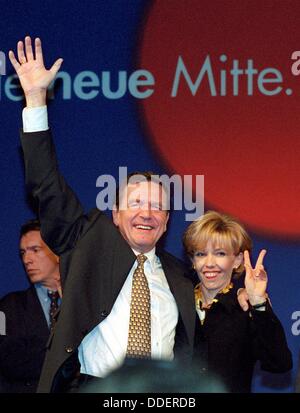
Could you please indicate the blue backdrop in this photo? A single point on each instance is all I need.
(96, 136)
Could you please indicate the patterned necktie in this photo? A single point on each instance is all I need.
(139, 335)
(54, 296)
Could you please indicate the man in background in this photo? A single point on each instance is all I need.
(29, 314)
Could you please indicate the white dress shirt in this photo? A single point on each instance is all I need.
(35, 119)
(104, 348)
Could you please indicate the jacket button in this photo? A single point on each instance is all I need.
(69, 349)
(104, 313)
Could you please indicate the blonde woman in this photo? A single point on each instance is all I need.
(229, 340)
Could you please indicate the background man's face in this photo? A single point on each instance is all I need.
(140, 217)
(40, 263)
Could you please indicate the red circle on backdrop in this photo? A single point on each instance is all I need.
(247, 146)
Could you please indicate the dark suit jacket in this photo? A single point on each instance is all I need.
(22, 350)
(95, 261)
(230, 342)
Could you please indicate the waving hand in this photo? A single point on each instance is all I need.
(30, 68)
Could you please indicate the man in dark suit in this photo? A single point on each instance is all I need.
(99, 258)
(27, 315)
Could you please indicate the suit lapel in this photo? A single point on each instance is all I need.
(123, 260)
(183, 292)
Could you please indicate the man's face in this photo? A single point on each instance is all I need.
(141, 218)
(40, 263)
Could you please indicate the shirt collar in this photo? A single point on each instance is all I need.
(153, 260)
(43, 290)
(218, 297)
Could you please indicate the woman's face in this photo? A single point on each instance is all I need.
(214, 265)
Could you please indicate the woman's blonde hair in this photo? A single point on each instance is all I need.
(222, 230)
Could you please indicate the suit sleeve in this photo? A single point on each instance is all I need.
(269, 342)
(60, 212)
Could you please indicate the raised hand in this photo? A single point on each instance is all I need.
(33, 75)
(256, 279)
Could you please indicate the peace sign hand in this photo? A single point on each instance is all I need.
(256, 279)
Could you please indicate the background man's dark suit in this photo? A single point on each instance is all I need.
(95, 261)
(22, 350)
